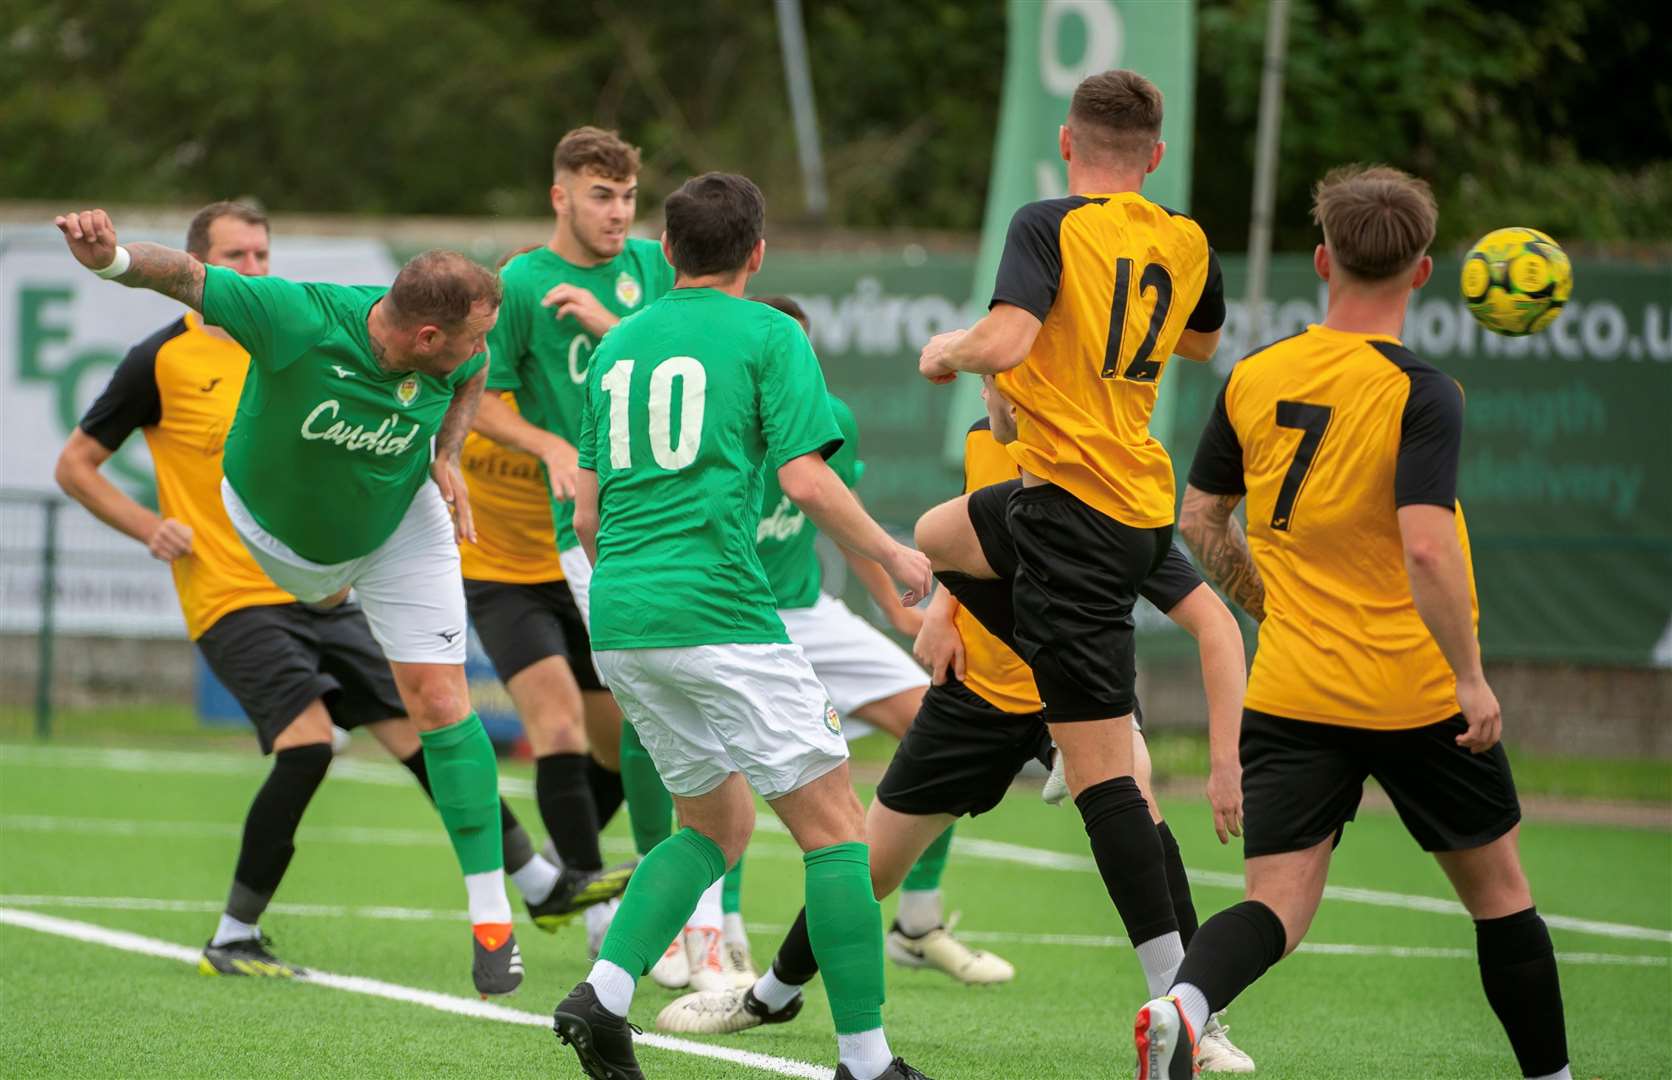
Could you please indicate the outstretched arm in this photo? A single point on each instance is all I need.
(92, 240)
(1209, 525)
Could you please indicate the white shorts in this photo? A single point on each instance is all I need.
(707, 711)
(409, 586)
(855, 661)
(577, 571)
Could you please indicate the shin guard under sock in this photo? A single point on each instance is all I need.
(1518, 971)
(270, 828)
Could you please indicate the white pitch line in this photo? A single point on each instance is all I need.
(354, 984)
(151, 761)
(765, 930)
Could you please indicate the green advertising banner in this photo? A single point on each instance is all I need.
(1050, 47)
(1567, 468)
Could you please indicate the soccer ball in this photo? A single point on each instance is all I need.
(1516, 281)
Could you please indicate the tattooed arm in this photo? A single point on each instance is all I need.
(92, 240)
(455, 425)
(1209, 525)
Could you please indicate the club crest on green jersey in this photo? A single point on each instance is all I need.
(407, 392)
(832, 720)
(628, 290)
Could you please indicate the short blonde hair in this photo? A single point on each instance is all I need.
(1377, 220)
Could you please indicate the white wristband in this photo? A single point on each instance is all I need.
(118, 266)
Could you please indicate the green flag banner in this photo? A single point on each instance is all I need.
(1051, 46)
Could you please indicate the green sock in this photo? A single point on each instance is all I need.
(926, 872)
(659, 898)
(465, 780)
(844, 923)
(731, 893)
(649, 806)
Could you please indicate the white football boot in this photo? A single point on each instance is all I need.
(938, 949)
(1216, 1053)
(702, 955)
(674, 969)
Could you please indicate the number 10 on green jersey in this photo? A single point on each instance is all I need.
(687, 402)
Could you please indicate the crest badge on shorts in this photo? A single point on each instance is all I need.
(407, 392)
(831, 719)
(628, 290)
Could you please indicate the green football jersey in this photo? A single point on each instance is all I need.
(544, 360)
(327, 449)
(687, 402)
(785, 537)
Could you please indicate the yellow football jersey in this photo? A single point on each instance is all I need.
(180, 387)
(510, 500)
(1114, 280)
(991, 668)
(1329, 433)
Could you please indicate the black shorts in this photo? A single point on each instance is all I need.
(1302, 781)
(277, 658)
(1078, 575)
(960, 754)
(520, 625)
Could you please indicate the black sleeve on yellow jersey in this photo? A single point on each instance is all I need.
(130, 400)
(1030, 269)
(1430, 433)
(1209, 313)
(1175, 579)
(1217, 468)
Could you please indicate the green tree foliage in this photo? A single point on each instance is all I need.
(1494, 101)
(1555, 115)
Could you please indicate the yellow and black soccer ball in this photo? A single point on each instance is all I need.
(1516, 281)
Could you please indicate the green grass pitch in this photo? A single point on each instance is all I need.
(143, 842)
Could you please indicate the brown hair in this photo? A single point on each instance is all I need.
(1377, 220)
(197, 233)
(590, 149)
(1117, 113)
(713, 222)
(440, 287)
(788, 305)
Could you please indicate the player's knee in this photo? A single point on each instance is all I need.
(936, 535)
(436, 703)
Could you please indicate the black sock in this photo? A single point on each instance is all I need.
(1128, 853)
(606, 790)
(420, 772)
(989, 600)
(1231, 950)
(1518, 970)
(270, 828)
(519, 849)
(1178, 883)
(566, 807)
(795, 963)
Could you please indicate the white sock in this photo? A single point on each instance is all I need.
(732, 928)
(1194, 1005)
(536, 880)
(1161, 957)
(613, 985)
(231, 930)
(1565, 1074)
(865, 1053)
(598, 917)
(487, 897)
(919, 912)
(774, 992)
(708, 914)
